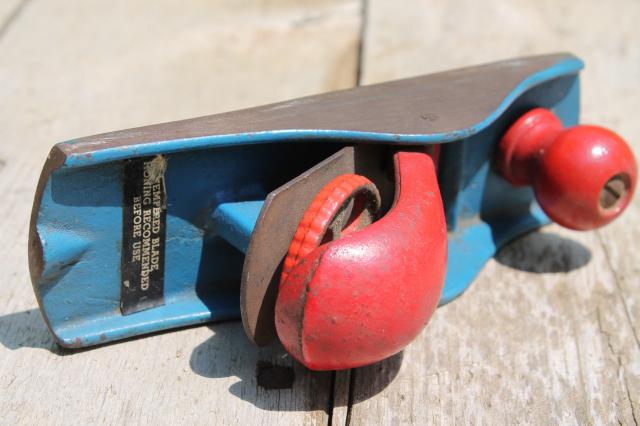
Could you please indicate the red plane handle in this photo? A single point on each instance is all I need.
(365, 296)
(583, 177)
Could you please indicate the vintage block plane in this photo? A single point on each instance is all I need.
(335, 222)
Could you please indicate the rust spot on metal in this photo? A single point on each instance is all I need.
(77, 343)
(429, 117)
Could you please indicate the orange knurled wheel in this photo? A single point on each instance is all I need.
(346, 204)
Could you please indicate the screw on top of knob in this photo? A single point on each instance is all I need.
(583, 176)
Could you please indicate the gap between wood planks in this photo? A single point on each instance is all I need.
(341, 397)
(343, 382)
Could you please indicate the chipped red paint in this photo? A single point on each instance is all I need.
(583, 177)
(364, 297)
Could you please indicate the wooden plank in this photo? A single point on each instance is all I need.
(620, 241)
(610, 99)
(526, 343)
(74, 68)
(611, 95)
(10, 10)
(545, 335)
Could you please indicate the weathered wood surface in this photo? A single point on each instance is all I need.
(547, 334)
(72, 68)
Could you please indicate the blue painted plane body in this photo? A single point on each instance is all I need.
(215, 188)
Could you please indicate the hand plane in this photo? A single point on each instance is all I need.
(336, 223)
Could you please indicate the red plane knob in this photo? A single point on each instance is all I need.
(583, 177)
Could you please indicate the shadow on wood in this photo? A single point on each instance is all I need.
(268, 374)
(544, 253)
(26, 329)
(372, 379)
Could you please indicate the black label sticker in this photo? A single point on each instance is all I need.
(144, 217)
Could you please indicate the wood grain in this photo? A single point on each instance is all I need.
(527, 343)
(73, 68)
(546, 333)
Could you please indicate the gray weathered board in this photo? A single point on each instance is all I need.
(547, 334)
